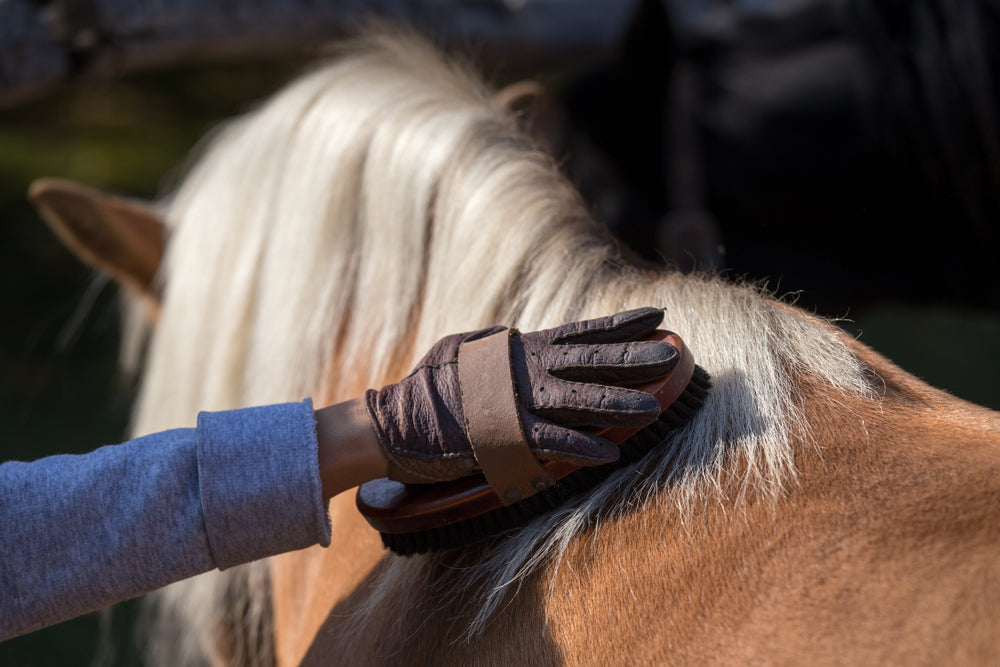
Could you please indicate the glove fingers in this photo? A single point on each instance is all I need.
(552, 442)
(625, 326)
(576, 404)
(614, 364)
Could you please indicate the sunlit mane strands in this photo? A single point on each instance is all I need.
(380, 202)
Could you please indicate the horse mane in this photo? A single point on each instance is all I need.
(324, 240)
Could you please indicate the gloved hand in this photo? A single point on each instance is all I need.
(565, 378)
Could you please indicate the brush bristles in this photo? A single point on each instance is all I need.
(492, 523)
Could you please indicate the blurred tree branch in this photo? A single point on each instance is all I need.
(45, 44)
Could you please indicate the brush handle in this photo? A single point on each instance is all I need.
(396, 508)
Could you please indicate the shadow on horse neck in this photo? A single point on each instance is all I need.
(322, 242)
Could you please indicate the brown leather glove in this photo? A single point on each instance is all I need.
(571, 376)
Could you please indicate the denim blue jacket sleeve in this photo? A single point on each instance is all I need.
(80, 532)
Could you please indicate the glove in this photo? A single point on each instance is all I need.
(573, 376)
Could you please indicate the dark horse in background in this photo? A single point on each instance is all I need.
(850, 138)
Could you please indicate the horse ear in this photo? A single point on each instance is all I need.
(538, 114)
(121, 237)
(520, 98)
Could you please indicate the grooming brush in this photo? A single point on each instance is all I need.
(416, 518)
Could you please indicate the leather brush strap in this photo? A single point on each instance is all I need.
(492, 421)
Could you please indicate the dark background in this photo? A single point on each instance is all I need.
(810, 195)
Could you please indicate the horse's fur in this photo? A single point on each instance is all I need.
(324, 241)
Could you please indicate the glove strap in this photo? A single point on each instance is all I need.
(492, 421)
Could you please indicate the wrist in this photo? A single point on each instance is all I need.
(349, 453)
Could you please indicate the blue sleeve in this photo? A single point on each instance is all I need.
(80, 532)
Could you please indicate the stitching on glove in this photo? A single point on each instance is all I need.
(432, 367)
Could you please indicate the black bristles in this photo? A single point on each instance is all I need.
(492, 523)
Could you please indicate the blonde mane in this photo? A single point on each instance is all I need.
(325, 240)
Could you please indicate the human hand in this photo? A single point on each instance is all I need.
(564, 379)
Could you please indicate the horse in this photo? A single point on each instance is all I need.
(824, 506)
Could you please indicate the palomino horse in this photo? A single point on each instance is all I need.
(824, 506)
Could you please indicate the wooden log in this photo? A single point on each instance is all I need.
(45, 45)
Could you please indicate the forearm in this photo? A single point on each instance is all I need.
(81, 532)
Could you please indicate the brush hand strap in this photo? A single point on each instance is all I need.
(492, 420)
